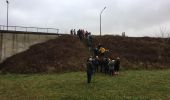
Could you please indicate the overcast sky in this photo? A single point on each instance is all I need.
(135, 17)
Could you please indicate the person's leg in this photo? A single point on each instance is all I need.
(90, 75)
(113, 72)
(94, 71)
(97, 67)
(105, 70)
(101, 68)
(110, 72)
(118, 70)
(88, 78)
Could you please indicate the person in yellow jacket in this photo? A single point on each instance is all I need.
(102, 51)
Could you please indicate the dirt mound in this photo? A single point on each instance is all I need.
(138, 52)
(65, 53)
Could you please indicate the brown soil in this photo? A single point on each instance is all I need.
(65, 53)
(68, 53)
(136, 53)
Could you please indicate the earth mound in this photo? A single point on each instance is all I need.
(65, 53)
(68, 53)
(138, 52)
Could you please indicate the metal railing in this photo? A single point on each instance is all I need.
(29, 29)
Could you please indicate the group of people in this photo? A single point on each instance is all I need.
(101, 51)
(102, 63)
(81, 33)
(73, 31)
(105, 65)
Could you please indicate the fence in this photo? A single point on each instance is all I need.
(15, 39)
(29, 29)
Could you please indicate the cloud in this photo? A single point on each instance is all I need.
(135, 17)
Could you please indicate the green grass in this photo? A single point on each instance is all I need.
(129, 85)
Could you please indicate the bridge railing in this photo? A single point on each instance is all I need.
(29, 29)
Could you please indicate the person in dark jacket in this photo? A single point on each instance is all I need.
(96, 63)
(117, 66)
(96, 52)
(106, 53)
(89, 66)
(106, 67)
(101, 63)
(71, 31)
(74, 31)
(90, 41)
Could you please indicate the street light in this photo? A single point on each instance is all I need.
(7, 12)
(101, 18)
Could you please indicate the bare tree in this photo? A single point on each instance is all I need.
(163, 32)
(164, 35)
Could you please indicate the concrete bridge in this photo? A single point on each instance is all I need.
(17, 39)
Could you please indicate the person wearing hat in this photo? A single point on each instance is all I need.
(89, 66)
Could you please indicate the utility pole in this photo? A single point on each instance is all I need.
(101, 19)
(7, 12)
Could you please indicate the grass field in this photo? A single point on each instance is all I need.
(129, 85)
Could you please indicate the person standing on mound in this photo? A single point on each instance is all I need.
(89, 66)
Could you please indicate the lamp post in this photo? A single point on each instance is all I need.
(101, 18)
(7, 12)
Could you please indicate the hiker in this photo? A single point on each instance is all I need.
(111, 67)
(102, 51)
(79, 33)
(82, 33)
(90, 41)
(89, 70)
(71, 31)
(106, 67)
(99, 46)
(96, 63)
(117, 66)
(74, 31)
(106, 53)
(86, 34)
(101, 63)
(96, 52)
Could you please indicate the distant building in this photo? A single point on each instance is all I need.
(123, 34)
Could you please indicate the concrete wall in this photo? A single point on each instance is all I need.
(11, 44)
